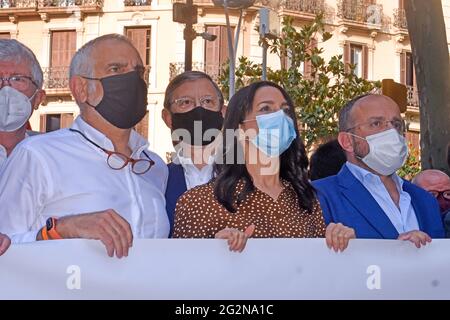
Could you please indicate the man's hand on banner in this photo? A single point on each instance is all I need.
(107, 226)
(337, 236)
(4, 243)
(236, 238)
(417, 237)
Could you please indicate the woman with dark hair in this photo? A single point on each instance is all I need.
(261, 187)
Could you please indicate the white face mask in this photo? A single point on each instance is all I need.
(15, 109)
(387, 151)
(3, 155)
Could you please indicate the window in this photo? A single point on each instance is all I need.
(414, 139)
(54, 121)
(63, 47)
(358, 55)
(407, 73)
(408, 78)
(356, 59)
(305, 68)
(216, 52)
(141, 39)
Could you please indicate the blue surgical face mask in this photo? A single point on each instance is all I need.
(276, 133)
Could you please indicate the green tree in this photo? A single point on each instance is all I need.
(319, 95)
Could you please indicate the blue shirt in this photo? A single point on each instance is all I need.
(403, 219)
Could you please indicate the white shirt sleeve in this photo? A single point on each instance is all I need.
(24, 186)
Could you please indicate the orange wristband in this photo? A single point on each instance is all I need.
(51, 232)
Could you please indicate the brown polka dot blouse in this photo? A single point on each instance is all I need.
(199, 215)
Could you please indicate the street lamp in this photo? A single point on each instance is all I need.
(187, 13)
(233, 4)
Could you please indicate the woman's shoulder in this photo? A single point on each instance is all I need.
(203, 192)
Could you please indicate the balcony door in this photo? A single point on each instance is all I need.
(141, 39)
(63, 48)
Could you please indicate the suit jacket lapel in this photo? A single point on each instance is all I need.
(365, 203)
(416, 204)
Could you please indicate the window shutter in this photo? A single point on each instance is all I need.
(140, 38)
(347, 56)
(212, 53)
(308, 65)
(224, 44)
(42, 123)
(403, 68)
(66, 120)
(142, 126)
(365, 62)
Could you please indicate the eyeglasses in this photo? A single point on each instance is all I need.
(185, 104)
(18, 82)
(381, 125)
(445, 193)
(118, 161)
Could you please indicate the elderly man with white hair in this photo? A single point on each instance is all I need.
(97, 179)
(20, 94)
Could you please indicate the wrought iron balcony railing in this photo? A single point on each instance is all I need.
(213, 70)
(70, 3)
(307, 6)
(56, 78)
(412, 96)
(130, 3)
(360, 11)
(6, 4)
(400, 19)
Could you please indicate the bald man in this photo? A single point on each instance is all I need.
(438, 184)
(367, 194)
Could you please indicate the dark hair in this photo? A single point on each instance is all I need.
(344, 114)
(293, 162)
(327, 160)
(185, 77)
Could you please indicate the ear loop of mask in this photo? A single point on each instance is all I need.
(354, 135)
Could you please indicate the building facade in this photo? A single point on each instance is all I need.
(369, 33)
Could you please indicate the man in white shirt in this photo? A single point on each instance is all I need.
(21, 93)
(193, 110)
(97, 179)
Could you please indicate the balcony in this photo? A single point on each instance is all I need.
(68, 7)
(412, 97)
(16, 8)
(360, 13)
(56, 80)
(213, 70)
(136, 3)
(400, 19)
(306, 6)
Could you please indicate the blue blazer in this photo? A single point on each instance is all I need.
(344, 199)
(176, 186)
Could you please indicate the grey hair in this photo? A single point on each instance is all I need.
(188, 76)
(14, 51)
(345, 119)
(81, 64)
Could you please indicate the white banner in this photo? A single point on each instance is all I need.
(205, 269)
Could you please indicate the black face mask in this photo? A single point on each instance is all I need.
(124, 101)
(199, 117)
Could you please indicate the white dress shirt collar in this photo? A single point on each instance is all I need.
(192, 174)
(402, 216)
